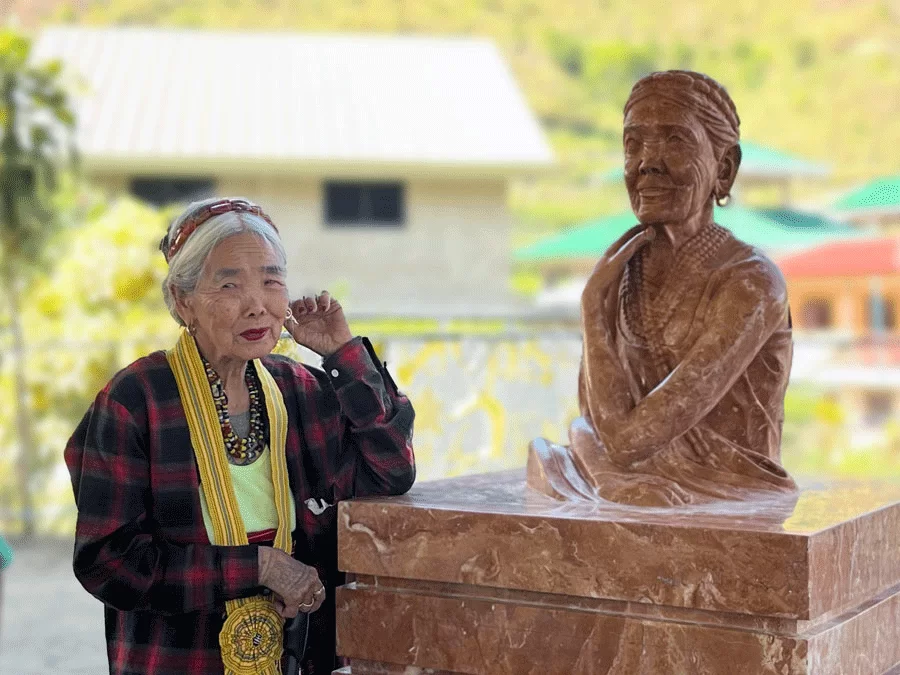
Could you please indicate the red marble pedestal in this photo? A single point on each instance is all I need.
(481, 575)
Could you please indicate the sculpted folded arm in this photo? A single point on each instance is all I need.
(746, 310)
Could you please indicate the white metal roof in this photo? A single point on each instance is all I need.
(172, 97)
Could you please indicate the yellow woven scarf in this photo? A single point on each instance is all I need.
(251, 639)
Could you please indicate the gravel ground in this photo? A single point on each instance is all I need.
(48, 623)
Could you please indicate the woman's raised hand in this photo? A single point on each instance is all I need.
(318, 323)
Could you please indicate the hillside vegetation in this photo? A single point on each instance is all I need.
(816, 78)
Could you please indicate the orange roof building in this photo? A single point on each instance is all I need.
(850, 290)
(851, 287)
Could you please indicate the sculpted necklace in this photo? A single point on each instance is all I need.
(645, 317)
(241, 451)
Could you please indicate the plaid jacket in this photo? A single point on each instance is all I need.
(141, 546)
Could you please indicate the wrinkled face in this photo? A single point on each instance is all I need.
(670, 165)
(239, 305)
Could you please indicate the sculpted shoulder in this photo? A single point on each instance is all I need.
(617, 244)
(747, 266)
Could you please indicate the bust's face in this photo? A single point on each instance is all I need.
(670, 166)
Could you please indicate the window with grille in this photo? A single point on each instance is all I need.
(817, 314)
(164, 190)
(364, 204)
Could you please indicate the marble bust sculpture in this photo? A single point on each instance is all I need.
(686, 330)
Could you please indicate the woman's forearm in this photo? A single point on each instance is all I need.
(376, 452)
(133, 570)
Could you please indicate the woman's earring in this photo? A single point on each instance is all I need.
(289, 315)
(723, 201)
(192, 329)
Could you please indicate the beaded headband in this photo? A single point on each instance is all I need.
(195, 220)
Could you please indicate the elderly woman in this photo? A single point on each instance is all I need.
(687, 334)
(205, 477)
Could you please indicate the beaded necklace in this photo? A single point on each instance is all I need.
(241, 451)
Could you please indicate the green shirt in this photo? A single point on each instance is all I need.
(255, 495)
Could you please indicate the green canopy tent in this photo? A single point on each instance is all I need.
(776, 231)
(880, 197)
(818, 226)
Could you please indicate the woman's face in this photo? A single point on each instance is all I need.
(240, 302)
(670, 165)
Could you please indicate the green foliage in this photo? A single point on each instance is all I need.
(683, 57)
(36, 123)
(611, 68)
(567, 51)
(36, 126)
(753, 62)
(800, 405)
(805, 53)
(100, 308)
(818, 440)
(526, 283)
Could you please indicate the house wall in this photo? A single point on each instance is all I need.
(848, 297)
(886, 223)
(451, 255)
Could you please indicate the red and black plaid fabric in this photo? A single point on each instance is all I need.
(141, 546)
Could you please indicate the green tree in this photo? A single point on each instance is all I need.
(98, 309)
(36, 124)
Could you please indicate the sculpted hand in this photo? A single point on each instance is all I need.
(319, 324)
(296, 586)
(608, 269)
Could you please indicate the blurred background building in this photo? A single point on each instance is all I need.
(385, 161)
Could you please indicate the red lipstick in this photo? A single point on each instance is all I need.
(255, 334)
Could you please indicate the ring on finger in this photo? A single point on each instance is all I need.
(306, 606)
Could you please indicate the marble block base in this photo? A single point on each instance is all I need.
(481, 575)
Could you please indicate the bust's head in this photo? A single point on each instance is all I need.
(681, 145)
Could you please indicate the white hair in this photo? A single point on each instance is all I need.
(186, 265)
